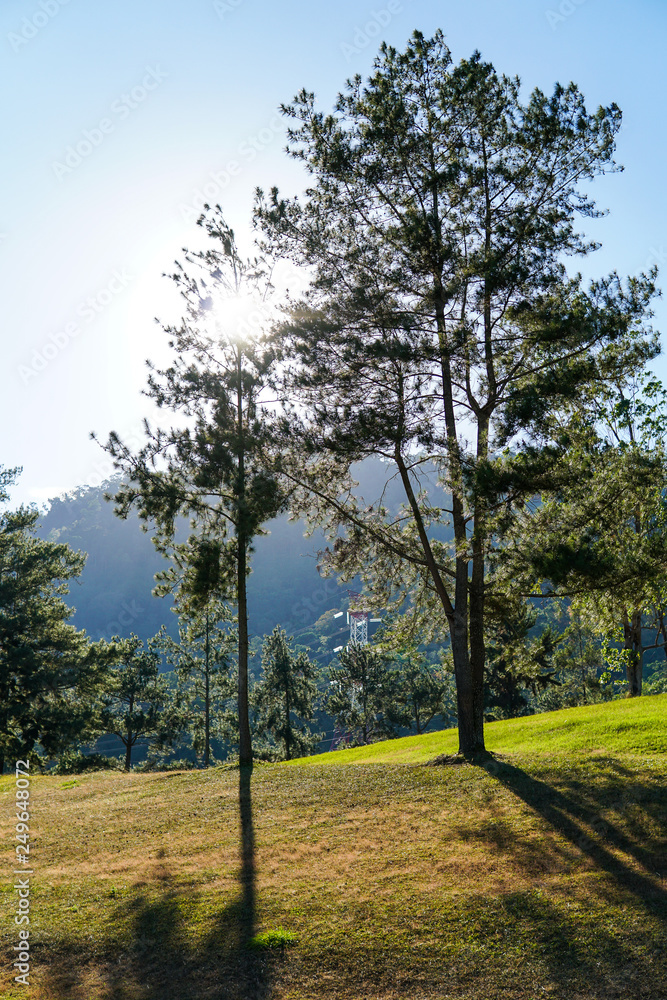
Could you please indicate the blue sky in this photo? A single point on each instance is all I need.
(159, 97)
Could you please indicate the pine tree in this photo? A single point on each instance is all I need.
(421, 693)
(518, 664)
(202, 657)
(49, 671)
(440, 326)
(602, 543)
(363, 695)
(220, 467)
(285, 697)
(582, 671)
(137, 703)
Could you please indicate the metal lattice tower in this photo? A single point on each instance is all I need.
(357, 620)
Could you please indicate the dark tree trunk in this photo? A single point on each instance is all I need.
(128, 741)
(207, 698)
(469, 676)
(632, 642)
(477, 649)
(468, 667)
(468, 700)
(245, 742)
(4, 698)
(468, 672)
(288, 732)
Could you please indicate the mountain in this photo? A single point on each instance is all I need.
(114, 593)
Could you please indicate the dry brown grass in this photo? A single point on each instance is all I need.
(401, 882)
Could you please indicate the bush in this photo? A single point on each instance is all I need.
(75, 762)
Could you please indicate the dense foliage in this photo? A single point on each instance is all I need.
(49, 671)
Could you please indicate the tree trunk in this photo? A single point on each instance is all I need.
(288, 732)
(245, 742)
(632, 636)
(476, 610)
(470, 719)
(4, 699)
(128, 741)
(469, 684)
(469, 673)
(207, 698)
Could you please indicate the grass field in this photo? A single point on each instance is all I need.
(540, 873)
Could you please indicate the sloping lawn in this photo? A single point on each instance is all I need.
(539, 874)
(635, 726)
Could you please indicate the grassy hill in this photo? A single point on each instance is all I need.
(637, 727)
(539, 874)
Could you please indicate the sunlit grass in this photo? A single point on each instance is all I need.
(635, 726)
(540, 874)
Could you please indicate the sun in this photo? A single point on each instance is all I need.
(240, 317)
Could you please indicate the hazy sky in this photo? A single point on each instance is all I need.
(120, 119)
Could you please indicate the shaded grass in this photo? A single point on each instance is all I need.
(532, 876)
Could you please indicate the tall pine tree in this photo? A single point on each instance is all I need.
(137, 703)
(202, 657)
(219, 467)
(440, 325)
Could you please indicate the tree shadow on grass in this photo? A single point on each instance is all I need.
(576, 814)
(161, 960)
(607, 959)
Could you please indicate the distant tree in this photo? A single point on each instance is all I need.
(219, 468)
(49, 671)
(657, 682)
(581, 666)
(421, 691)
(137, 702)
(518, 664)
(602, 544)
(201, 657)
(364, 694)
(285, 697)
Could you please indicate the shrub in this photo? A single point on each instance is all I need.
(75, 762)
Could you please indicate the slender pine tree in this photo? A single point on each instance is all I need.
(285, 697)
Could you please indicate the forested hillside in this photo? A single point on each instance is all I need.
(114, 592)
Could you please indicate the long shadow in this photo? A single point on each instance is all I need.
(582, 825)
(584, 953)
(248, 874)
(159, 960)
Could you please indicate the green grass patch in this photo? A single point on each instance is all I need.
(634, 726)
(276, 938)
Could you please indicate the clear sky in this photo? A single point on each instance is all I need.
(120, 119)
